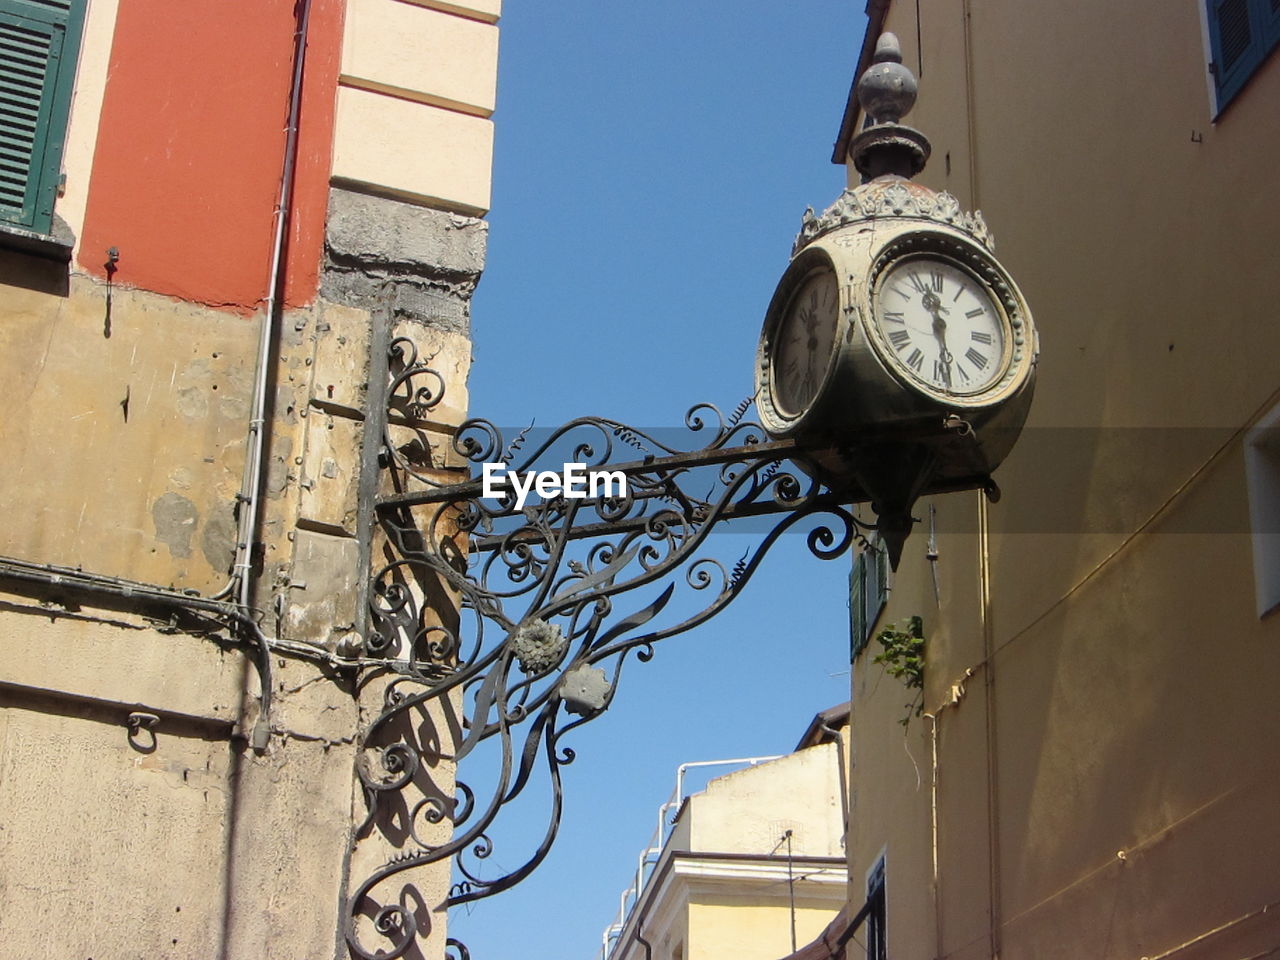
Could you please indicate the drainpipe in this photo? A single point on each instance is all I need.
(842, 772)
(250, 496)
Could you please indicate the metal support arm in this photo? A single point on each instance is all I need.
(551, 600)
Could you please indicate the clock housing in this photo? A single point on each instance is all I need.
(798, 345)
(885, 382)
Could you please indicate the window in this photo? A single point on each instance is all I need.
(1241, 34)
(1262, 471)
(868, 591)
(38, 44)
(877, 915)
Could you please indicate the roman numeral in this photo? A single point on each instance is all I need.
(917, 283)
(939, 371)
(957, 296)
(894, 315)
(899, 338)
(977, 359)
(964, 377)
(937, 280)
(975, 313)
(981, 337)
(916, 360)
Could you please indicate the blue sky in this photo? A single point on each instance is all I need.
(651, 166)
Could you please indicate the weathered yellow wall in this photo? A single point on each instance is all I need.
(723, 885)
(240, 841)
(727, 926)
(890, 771)
(1131, 740)
(124, 433)
(747, 811)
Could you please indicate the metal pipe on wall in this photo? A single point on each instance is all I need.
(251, 489)
(249, 497)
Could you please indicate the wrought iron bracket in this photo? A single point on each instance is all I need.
(510, 627)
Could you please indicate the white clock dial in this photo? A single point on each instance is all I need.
(938, 324)
(803, 341)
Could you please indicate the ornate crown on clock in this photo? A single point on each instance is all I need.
(900, 199)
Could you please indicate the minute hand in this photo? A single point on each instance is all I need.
(936, 310)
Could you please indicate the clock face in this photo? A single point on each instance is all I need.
(803, 341)
(938, 324)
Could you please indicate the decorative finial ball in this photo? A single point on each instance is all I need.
(887, 91)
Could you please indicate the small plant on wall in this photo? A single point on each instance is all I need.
(903, 659)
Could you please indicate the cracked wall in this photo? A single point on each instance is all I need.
(143, 485)
(140, 811)
(125, 431)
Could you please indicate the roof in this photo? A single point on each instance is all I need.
(829, 719)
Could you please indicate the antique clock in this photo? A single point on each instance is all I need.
(896, 345)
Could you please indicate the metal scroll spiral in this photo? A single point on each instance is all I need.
(554, 601)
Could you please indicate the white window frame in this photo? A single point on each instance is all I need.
(880, 868)
(1262, 476)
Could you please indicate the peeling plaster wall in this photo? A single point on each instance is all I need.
(430, 259)
(125, 438)
(166, 812)
(124, 432)
(132, 470)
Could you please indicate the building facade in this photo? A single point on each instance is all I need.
(223, 228)
(750, 867)
(1095, 770)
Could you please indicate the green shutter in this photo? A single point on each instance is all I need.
(882, 578)
(857, 619)
(36, 75)
(868, 593)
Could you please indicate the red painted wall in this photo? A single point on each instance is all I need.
(190, 149)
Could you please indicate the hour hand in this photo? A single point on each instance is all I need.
(931, 303)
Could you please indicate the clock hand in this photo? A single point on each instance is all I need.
(810, 320)
(933, 303)
(945, 358)
(936, 309)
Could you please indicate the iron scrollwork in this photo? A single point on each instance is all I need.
(552, 601)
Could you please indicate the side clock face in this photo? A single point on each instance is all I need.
(803, 341)
(938, 325)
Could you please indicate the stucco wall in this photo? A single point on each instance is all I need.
(105, 382)
(749, 810)
(1113, 728)
(202, 828)
(729, 876)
